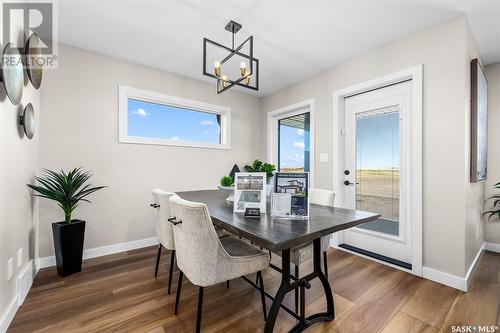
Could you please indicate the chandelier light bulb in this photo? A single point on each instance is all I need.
(243, 68)
(217, 68)
(224, 81)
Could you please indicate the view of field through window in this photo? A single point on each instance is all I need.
(294, 143)
(378, 167)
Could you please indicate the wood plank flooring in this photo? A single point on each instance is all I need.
(118, 293)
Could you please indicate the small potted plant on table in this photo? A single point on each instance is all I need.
(68, 190)
(227, 185)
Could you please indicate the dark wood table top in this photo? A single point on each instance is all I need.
(278, 234)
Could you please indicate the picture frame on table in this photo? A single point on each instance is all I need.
(297, 185)
(249, 191)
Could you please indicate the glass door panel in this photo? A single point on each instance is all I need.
(294, 147)
(378, 167)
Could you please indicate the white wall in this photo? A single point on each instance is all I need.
(442, 51)
(492, 228)
(474, 192)
(80, 128)
(18, 210)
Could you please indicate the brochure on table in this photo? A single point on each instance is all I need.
(249, 191)
(281, 205)
(296, 184)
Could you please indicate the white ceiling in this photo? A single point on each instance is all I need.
(292, 39)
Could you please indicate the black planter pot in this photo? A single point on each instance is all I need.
(68, 246)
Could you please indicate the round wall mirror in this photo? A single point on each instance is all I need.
(28, 121)
(33, 53)
(12, 73)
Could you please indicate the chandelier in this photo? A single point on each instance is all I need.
(232, 66)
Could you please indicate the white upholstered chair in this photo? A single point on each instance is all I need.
(206, 259)
(164, 231)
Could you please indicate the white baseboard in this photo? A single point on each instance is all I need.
(7, 317)
(447, 279)
(457, 282)
(493, 247)
(473, 266)
(103, 251)
(25, 281)
(9, 314)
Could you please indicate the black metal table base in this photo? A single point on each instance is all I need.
(303, 283)
(286, 286)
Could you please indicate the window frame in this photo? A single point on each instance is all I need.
(272, 132)
(125, 93)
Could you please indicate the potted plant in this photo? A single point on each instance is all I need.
(227, 185)
(68, 190)
(495, 209)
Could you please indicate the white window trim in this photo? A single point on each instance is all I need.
(148, 96)
(272, 126)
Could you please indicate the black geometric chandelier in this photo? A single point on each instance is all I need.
(231, 66)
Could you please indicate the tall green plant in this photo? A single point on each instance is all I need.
(495, 209)
(255, 167)
(258, 166)
(67, 189)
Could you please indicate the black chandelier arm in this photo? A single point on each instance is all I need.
(205, 40)
(250, 57)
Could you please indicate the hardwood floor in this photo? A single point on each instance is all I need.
(118, 293)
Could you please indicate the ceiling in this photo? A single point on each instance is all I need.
(292, 39)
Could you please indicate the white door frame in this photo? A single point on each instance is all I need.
(272, 123)
(415, 207)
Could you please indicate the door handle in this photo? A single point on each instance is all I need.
(348, 183)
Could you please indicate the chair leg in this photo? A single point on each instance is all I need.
(227, 284)
(200, 306)
(262, 294)
(158, 259)
(171, 270)
(297, 290)
(178, 294)
(325, 263)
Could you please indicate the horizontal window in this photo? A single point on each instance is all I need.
(151, 118)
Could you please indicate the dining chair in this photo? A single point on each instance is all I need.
(206, 259)
(164, 231)
(304, 253)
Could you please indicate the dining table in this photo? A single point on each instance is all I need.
(281, 235)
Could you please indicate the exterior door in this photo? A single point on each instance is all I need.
(376, 155)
